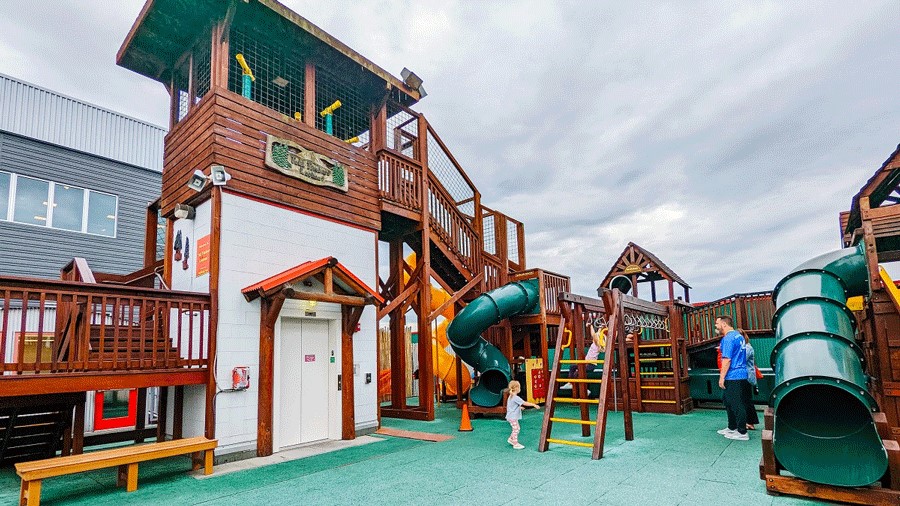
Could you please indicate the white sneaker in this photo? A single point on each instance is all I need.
(567, 386)
(517, 446)
(726, 431)
(737, 436)
(510, 441)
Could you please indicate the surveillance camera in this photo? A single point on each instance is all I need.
(218, 175)
(197, 181)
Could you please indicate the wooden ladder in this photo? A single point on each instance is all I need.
(574, 317)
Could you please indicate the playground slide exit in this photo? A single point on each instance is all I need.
(464, 334)
(824, 431)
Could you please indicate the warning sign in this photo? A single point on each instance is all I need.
(203, 256)
(309, 358)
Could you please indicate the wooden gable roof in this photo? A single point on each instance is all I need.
(882, 188)
(634, 260)
(338, 281)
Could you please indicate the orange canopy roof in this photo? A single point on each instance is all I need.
(306, 270)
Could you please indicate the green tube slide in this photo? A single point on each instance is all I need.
(824, 431)
(464, 334)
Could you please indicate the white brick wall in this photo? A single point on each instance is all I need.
(258, 241)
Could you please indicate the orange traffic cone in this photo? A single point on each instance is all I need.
(465, 425)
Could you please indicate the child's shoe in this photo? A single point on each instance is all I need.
(518, 446)
(737, 436)
(510, 441)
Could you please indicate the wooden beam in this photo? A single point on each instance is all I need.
(309, 95)
(397, 302)
(349, 319)
(398, 335)
(141, 420)
(347, 300)
(269, 311)
(329, 280)
(178, 413)
(12, 386)
(456, 296)
(215, 248)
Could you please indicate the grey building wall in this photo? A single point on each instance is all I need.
(29, 250)
(38, 113)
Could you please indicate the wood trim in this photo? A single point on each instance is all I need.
(347, 300)
(19, 385)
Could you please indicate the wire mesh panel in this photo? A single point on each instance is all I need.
(280, 75)
(512, 240)
(201, 65)
(352, 118)
(490, 242)
(449, 175)
(181, 90)
(402, 130)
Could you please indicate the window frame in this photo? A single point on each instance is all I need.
(9, 214)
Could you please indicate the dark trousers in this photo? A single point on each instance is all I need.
(736, 404)
(573, 369)
(749, 407)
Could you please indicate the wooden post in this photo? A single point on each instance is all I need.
(398, 330)
(140, 421)
(676, 338)
(309, 95)
(623, 369)
(151, 232)
(213, 331)
(78, 428)
(349, 319)
(178, 412)
(426, 360)
(269, 311)
(161, 413)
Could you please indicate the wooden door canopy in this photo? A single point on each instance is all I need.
(341, 285)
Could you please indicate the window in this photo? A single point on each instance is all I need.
(31, 201)
(68, 207)
(28, 200)
(102, 215)
(4, 194)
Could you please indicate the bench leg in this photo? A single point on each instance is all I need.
(208, 462)
(30, 493)
(128, 474)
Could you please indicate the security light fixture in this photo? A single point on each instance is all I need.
(413, 81)
(218, 175)
(197, 181)
(184, 211)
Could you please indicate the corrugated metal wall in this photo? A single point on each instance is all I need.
(29, 250)
(37, 113)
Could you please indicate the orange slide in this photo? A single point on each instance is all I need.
(444, 360)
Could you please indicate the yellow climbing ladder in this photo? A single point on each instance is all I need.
(573, 312)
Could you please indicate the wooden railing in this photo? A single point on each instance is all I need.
(448, 223)
(751, 312)
(551, 285)
(50, 326)
(400, 180)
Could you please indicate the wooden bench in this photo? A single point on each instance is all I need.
(126, 458)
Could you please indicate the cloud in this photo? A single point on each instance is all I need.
(723, 136)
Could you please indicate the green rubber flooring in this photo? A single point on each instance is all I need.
(672, 460)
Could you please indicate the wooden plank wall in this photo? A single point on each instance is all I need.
(226, 129)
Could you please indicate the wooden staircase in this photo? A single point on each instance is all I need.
(36, 426)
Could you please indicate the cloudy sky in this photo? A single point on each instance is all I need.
(724, 137)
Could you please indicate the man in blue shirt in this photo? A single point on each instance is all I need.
(732, 378)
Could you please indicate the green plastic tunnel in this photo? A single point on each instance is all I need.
(824, 431)
(464, 334)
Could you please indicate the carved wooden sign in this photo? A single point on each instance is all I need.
(632, 269)
(292, 159)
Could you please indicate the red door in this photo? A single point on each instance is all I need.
(114, 409)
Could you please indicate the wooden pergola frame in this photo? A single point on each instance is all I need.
(340, 287)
